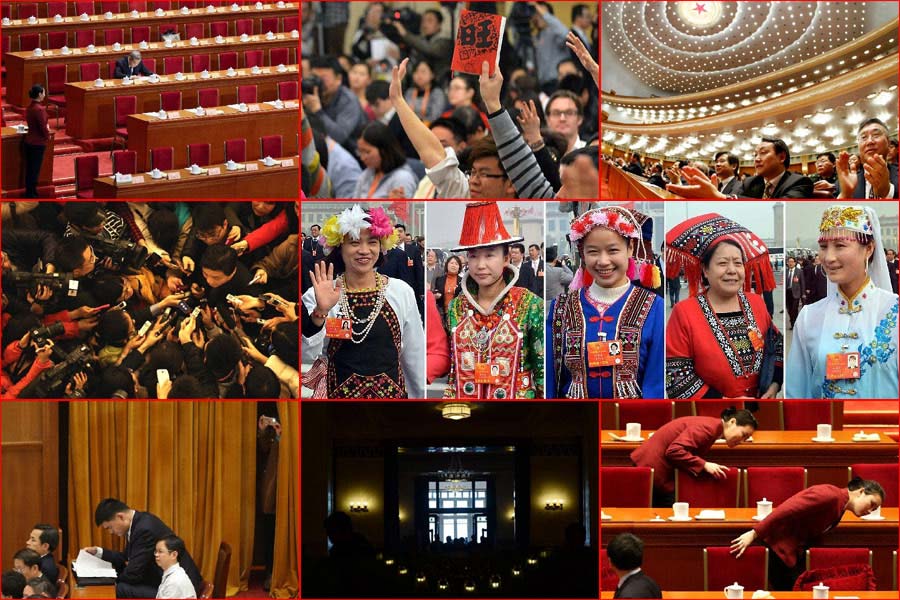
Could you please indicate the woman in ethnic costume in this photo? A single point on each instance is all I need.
(368, 336)
(603, 307)
(721, 342)
(496, 329)
(845, 345)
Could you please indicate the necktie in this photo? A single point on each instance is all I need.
(770, 187)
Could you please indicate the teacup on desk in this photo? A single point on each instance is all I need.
(220, 39)
(735, 590)
(255, 69)
(281, 68)
(280, 4)
(633, 430)
(235, 8)
(823, 431)
(278, 104)
(117, 46)
(680, 511)
(195, 169)
(107, 15)
(195, 41)
(204, 74)
(169, 44)
(98, 83)
(32, 20)
(199, 111)
(135, 14)
(269, 161)
(210, 9)
(243, 107)
(259, 6)
(143, 45)
(5, 21)
(57, 18)
(185, 10)
(763, 508)
(65, 50)
(820, 591)
(21, 128)
(84, 17)
(160, 12)
(270, 35)
(179, 76)
(245, 37)
(156, 174)
(91, 48)
(231, 165)
(295, 34)
(231, 72)
(38, 52)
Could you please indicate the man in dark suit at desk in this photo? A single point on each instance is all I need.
(44, 539)
(727, 165)
(131, 65)
(626, 554)
(138, 574)
(876, 178)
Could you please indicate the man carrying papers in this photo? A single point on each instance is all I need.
(138, 574)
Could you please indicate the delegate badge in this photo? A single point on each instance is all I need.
(487, 373)
(842, 365)
(604, 354)
(755, 339)
(338, 328)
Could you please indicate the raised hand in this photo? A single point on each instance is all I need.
(574, 43)
(847, 176)
(398, 74)
(490, 87)
(698, 185)
(878, 176)
(327, 290)
(530, 122)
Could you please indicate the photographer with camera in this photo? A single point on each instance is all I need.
(326, 97)
(431, 47)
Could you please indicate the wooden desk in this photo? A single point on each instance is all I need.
(626, 186)
(91, 591)
(24, 69)
(747, 593)
(13, 164)
(172, 18)
(825, 463)
(265, 182)
(676, 549)
(146, 132)
(89, 109)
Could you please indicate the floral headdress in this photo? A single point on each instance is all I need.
(353, 220)
(630, 224)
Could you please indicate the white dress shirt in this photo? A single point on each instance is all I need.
(175, 584)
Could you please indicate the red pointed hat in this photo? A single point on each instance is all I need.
(483, 227)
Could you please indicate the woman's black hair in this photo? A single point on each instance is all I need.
(284, 342)
(186, 386)
(869, 486)
(706, 257)
(115, 378)
(108, 290)
(741, 416)
(458, 262)
(113, 328)
(379, 135)
(35, 91)
(163, 226)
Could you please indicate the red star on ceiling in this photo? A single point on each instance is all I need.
(700, 8)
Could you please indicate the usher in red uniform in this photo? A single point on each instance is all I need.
(801, 520)
(678, 445)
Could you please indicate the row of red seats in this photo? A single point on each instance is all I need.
(24, 10)
(87, 168)
(795, 415)
(624, 487)
(86, 37)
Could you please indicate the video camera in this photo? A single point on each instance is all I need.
(52, 382)
(66, 282)
(409, 18)
(39, 335)
(309, 84)
(125, 254)
(520, 18)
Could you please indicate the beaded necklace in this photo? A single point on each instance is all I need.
(369, 321)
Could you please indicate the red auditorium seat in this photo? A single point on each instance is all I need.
(721, 568)
(217, 28)
(823, 558)
(267, 24)
(651, 414)
(775, 484)
(707, 492)
(57, 8)
(270, 145)
(207, 97)
(253, 58)
(56, 87)
(246, 93)
(228, 59)
(84, 8)
(626, 487)
(236, 150)
(111, 65)
(242, 26)
(57, 39)
(194, 30)
(162, 158)
(85, 37)
(199, 62)
(124, 162)
(27, 10)
(89, 71)
(150, 63)
(289, 90)
(87, 168)
(885, 474)
(805, 414)
(279, 56)
(111, 36)
(29, 41)
(198, 154)
(291, 23)
(5, 11)
(713, 408)
(173, 64)
(163, 4)
(112, 6)
(138, 5)
(122, 107)
(140, 34)
(170, 101)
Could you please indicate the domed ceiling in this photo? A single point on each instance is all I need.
(684, 47)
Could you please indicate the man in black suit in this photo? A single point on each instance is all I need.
(772, 179)
(138, 574)
(536, 264)
(626, 554)
(517, 259)
(878, 179)
(131, 65)
(825, 180)
(312, 245)
(44, 539)
(815, 281)
(794, 285)
(635, 165)
(893, 267)
(404, 261)
(727, 165)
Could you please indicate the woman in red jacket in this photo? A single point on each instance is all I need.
(801, 520)
(681, 444)
(36, 139)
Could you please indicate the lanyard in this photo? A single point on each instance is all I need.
(424, 100)
(375, 183)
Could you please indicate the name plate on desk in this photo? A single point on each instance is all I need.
(138, 179)
(175, 175)
(253, 107)
(287, 163)
(215, 171)
(252, 166)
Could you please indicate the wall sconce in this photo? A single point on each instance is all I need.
(401, 570)
(554, 505)
(420, 578)
(532, 561)
(469, 586)
(359, 507)
(442, 584)
(494, 582)
(517, 571)
(388, 561)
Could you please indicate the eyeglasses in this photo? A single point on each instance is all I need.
(874, 136)
(563, 113)
(483, 174)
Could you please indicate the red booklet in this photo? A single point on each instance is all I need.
(478, 39)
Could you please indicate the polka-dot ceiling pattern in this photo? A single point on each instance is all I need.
(684, 47)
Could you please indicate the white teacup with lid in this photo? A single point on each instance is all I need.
(820, 591)
(57, 18)
(735, 590)
(763, 508)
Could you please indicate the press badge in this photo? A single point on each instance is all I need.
(842, 365)
(338, 328)
(604, 353)
(487, 373)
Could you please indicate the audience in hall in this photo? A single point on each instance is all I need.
(340, 111)
(44, 539)
(175, 582)
(28, 563)
(40, 587)
(825, 180)
(386, 175)
(13, 584)
(726, 166)
(626, 555)
(878, 178)
(130, 65)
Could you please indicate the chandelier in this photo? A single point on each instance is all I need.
(456, 411)
(456, 479)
